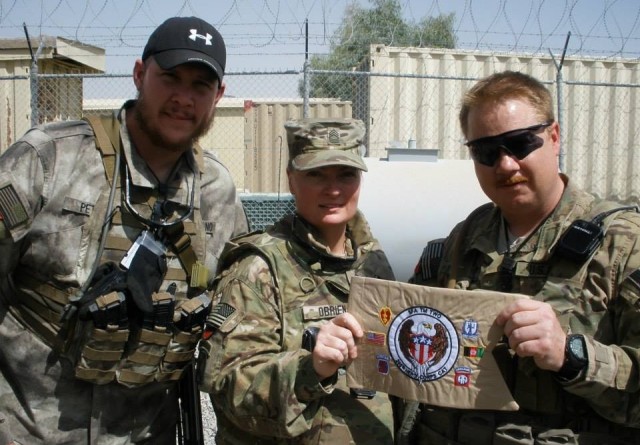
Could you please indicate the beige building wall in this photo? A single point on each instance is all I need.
(266, 156)
(15, 102)
(59, 98)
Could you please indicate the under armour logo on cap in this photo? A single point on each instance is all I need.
(194, 35)
(178, 40)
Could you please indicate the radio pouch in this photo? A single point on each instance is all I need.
(583, 238)
(580, 240)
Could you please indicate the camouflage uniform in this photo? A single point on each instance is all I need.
(54, 187)
(599, 299)
(262, 383)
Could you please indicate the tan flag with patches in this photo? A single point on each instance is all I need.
(429, 344)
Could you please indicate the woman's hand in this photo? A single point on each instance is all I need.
(336, 345)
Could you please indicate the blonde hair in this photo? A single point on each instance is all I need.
(507, 85)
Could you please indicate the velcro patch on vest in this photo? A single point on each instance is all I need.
(323, 312)
(538, 269)
(73, 205)
(209, 227)
(12, 212)
(430, 259)
(634, 277)
(219, 314)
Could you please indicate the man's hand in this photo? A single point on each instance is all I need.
(336, 345)
(534, 331)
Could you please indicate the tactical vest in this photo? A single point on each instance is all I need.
(311, 286)
(155, 351)
(310, 289)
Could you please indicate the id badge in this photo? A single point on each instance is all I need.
(146, 239)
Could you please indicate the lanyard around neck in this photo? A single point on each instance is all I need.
(159, 221)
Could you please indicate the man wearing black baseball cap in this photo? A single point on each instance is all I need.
(187, 40)
(102, 315)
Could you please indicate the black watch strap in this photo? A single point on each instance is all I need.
(575, 357)
(309, 338)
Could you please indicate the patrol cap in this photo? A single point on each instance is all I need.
(320, 142)
(181, 40)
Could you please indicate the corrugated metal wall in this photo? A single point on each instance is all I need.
(266, 141)
(600, 109)
(15, 105)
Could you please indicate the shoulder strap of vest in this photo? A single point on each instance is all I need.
(180, 241)
(262, 244)
(198, 153)
(245, 245)
(107, 132)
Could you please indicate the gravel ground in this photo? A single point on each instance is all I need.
(209, 424)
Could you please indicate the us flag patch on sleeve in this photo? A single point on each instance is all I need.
(12, 212)
(219, 314)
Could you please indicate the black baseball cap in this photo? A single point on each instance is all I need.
(181, 40)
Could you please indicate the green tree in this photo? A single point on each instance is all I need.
(360, 28)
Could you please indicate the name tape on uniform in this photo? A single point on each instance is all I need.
(429, 344)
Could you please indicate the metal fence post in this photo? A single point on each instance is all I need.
(559, 93)
(306, 80)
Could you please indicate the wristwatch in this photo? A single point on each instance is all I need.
(309, 337)
(575, 357)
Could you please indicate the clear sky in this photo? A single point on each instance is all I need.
(269, 34)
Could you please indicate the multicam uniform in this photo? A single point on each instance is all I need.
(598, 298)
(53, 193)
(261, 381)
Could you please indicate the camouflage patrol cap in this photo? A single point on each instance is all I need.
(320, 142)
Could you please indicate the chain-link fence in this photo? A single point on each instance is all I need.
(410, 98)
(264, 210)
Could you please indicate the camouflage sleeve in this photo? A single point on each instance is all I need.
(22, 181)
(611, 383)
(253, 380)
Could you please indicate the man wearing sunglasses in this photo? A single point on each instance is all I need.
(571, 353)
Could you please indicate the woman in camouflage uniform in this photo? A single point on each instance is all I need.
(281, 335)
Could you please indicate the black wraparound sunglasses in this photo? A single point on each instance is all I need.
(519, 143)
